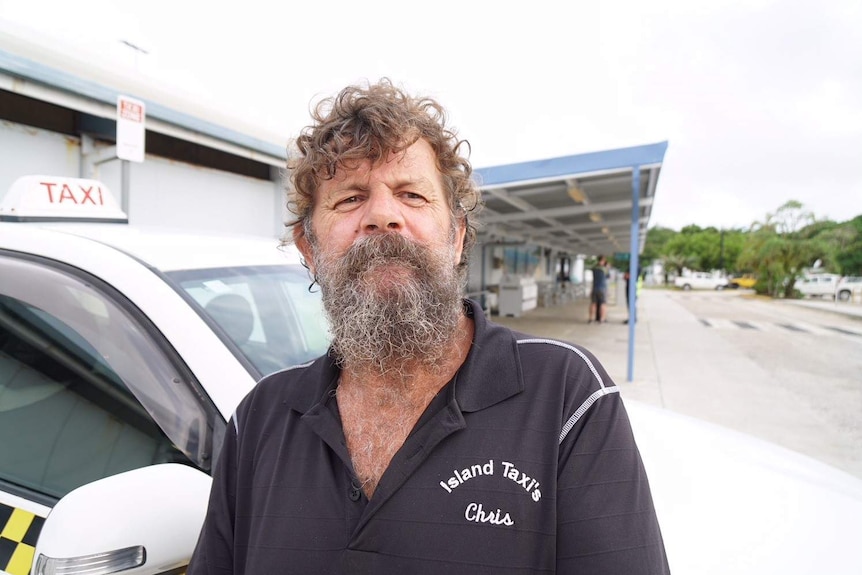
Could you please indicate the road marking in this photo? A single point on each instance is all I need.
(791, 327)
(776, 327)
(843, 331)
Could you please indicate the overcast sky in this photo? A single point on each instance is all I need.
(761, 101)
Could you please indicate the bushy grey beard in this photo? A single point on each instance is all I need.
(392, 304)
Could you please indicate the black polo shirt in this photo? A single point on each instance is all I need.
(524, 463)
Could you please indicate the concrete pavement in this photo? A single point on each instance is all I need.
(849, 309)
(682, 366)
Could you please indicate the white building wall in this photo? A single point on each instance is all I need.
(31, 151)
(162, 192)
(178, 195)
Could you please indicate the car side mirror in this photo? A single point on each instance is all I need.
(141, 522)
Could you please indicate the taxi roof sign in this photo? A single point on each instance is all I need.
(55, 199)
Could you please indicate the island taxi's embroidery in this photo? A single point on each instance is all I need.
(506, 469)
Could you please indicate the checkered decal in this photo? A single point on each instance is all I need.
(20, 529)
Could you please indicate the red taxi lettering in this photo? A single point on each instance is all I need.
(49, 185)
(89, 197)
(66, 194)
(85, 194)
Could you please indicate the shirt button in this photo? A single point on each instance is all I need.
(355, 492)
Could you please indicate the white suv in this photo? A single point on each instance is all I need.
(700, 280)
(820, 285)
(849, 287)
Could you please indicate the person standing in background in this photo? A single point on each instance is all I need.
(599, 294)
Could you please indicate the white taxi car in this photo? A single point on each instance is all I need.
(122, 349)
(123, 353)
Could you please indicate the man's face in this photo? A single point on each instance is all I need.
(385, 253)
(403, 195)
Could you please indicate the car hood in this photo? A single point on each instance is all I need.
(169, 249)
(730, 503)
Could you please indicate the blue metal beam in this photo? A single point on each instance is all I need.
(606, 160)
(633, 268)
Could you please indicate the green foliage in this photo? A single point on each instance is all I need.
(777, 250)
(656, 239)
(704, 248)
(848, 255)
(734, 243)
(676, 262)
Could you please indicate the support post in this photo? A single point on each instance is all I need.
(633, 268)
(125, 185)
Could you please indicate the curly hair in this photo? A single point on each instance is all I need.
(371, 123)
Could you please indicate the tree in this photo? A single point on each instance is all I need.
(734, 243)
(778, 249)
(656, 239)
(707, 248)
(843, 242)
(676, 263)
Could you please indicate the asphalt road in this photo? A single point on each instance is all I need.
(780, 371)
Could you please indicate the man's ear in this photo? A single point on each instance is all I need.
(460, 232)
(304, 246)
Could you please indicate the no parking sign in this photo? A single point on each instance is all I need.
(131, 115)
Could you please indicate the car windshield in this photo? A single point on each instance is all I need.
(266, 314)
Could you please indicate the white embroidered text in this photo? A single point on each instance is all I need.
(476, 513)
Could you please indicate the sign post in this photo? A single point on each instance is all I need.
(131, 130)
(131, 138)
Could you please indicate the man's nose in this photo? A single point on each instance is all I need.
(383, 213)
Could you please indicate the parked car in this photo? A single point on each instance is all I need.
(849, 287)
(820, 285)
(123, 352)
(746, 281)
(700, 280)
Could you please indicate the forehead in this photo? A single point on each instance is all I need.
(415, 164)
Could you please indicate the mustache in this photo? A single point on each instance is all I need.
(372, 251)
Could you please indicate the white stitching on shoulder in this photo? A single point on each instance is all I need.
(570, 348)
(592, 398)
(292, 367)
(584, 407)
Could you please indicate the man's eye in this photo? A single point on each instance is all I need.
(412, 198)
(347, 203)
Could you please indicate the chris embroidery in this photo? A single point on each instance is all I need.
(476, 513)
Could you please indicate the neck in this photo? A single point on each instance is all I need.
(378, 411)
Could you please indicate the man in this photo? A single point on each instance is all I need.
(599, 293)
(428, 440)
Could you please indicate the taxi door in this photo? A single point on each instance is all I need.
(88, 389)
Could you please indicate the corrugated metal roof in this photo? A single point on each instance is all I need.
(578, 204)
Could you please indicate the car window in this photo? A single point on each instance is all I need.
(86, 388)
(267, 313)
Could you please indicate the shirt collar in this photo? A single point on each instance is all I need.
(492, 370)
